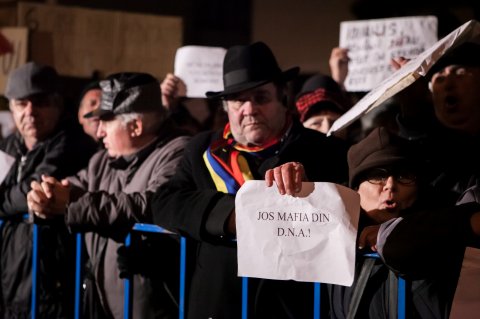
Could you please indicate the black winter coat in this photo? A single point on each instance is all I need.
(63, 154)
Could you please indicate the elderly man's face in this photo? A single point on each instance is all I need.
(35, 117)
(117, 137)
(256, 116)
(90, 102)
(456, 97)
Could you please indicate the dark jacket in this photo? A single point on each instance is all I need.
(64, 153)
(190, 205)
(429, 245)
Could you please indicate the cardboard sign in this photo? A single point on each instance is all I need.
(373, 43)
(309, 237)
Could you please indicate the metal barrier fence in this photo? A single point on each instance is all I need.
(128, 283)
(401, 302)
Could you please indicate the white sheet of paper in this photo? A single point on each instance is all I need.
(6, 162)
(310, 237)
(201, 68)
(373, 43)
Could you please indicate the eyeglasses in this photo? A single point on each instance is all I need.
(379, 176)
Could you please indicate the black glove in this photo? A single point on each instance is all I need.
(152, 257)
(124, 261)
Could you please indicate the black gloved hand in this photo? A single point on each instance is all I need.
(151, 256)
(125, 263)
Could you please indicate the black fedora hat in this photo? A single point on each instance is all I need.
(249, 66)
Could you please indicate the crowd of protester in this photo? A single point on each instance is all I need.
(136, 153)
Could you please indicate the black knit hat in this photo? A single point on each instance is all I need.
(249, 66)
(379, 149)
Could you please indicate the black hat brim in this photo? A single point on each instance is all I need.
(283, 76)
(98, 113)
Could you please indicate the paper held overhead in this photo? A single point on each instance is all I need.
(409, 73)
(200, 67)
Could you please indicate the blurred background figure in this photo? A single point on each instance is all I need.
(320, 102)
(338, 63)
(90, 101)
(47, 141)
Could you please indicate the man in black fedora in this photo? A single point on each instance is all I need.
(199, 200)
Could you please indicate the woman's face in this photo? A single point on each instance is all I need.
(384, 193)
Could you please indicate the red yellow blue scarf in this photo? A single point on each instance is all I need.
(226, 163)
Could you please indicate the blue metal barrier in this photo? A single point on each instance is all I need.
(35, 261)
(78, 275)
(128, 285)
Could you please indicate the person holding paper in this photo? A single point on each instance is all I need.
(199, 200)
(192, 114)
(389, 176)
(454, 82)
(47, 141)
(105, 200)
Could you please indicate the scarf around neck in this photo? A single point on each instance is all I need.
(226, 162)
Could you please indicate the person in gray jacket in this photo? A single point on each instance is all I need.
(107, 198)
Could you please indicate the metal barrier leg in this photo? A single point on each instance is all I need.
(316, 303)
(183, 269)
(401, 298)
(78, 275)
(127, 286)
(244, 297)
(35, 256)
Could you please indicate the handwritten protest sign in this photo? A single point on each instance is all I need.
(373, 43)
(200, 68)
(18, 41)
(409, 73)
(309, 237)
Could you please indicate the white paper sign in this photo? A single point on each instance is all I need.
(373, 43)
(201, 68)
(310, 237)
(6, 162)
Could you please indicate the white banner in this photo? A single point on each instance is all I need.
(309, 237)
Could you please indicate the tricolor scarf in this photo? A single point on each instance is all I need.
(227, 164)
